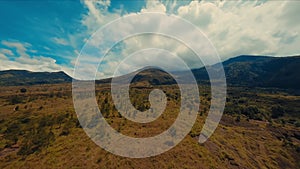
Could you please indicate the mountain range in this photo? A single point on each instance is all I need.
(24, 77)
(245, 70)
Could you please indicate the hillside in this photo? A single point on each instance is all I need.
(245, 71)
(281, 72)
(259, 128)
(24, 77)
(41, 130)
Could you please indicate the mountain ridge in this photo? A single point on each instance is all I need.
(243, 70)
(25, 77)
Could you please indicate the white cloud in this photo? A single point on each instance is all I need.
(25, 62)
(3, 57)
(47, 48)
(20, 47)
(154, 6)
(237, 28)
(91, 5)
(97, 15)
(6, 52)
(60, 41)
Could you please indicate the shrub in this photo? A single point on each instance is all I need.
(12, 132)
(35, 141)
(15, 100)
(252, 112)
(65, 131)
(46, 121)
(277, 111)
(23, 90)
(238, 119)
(66, 128)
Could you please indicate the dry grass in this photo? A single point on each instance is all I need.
(243, 144)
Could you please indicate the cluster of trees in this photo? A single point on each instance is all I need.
(254, 112)
(234, 106)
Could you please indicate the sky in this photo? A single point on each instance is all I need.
(49, 35)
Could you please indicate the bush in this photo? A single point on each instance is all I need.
(238, 119)
(277, 111)
(15, 100)
(23, 90)
(252, 112)
(46, 121)
(12, 132)
(35, 141)
(66, 129)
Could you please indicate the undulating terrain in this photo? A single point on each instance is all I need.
(260, 127)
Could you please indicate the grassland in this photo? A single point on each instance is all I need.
(39, 129)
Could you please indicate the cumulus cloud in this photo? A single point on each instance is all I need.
(233, 27)
(150, 41)
(154, 6)
(250, 27)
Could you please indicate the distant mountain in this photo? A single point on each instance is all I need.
(24, 77)
(245, 70)
(147, 76)
(263, 71)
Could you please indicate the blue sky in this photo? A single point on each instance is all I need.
(48, 35)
